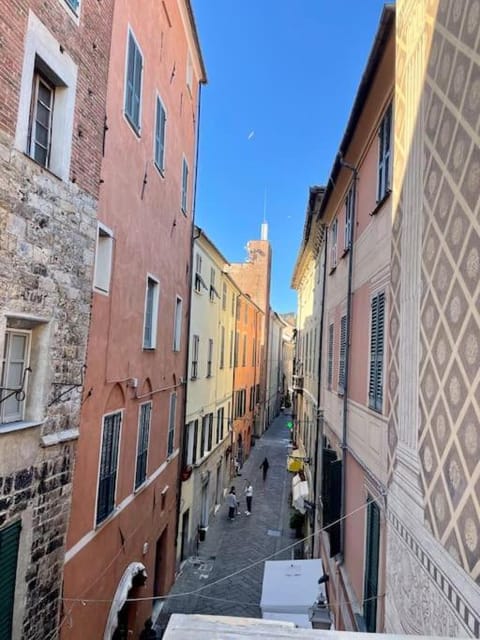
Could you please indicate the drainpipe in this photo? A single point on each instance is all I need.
(319, 429)
(187, 333)
(347, 357)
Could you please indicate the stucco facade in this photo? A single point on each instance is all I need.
(207, 445)
(433, 436)
(122, 533)
(49, 188)
(275, 366)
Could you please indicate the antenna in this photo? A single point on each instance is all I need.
(265, 205)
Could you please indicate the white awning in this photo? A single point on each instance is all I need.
(299, 493)
(121, 595)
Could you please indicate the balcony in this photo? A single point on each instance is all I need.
(297, 383)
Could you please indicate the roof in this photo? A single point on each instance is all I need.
(196, 39)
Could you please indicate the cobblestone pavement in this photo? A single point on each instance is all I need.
(232, 545)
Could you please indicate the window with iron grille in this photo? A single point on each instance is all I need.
(333, 244)
(133, 89)
(184, 185)
(172, 416)
(9, 541)
(160, 126)
(209, 358)
(195, 348)
(384, 154)
(108, 466)
(343, 350)
(222, 347)
(330, 356)
(16, 348)
(142, 443)
(377, 336)
(151, 314)
(349, 204)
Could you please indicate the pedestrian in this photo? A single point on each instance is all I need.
(148, 633)
(264, 466)
(248, 496)
(232, 503)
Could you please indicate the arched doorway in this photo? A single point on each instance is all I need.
(121, 618)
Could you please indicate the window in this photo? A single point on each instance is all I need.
(384, 163)
(108, 466)
(231, 349)
(349, 204)
(189, 73)
(233, 305)
(73, 4)
(172, 416)
(204, 436)
(239, 309)
(160, 122)
(103, 259)
(177, 326)
(254, 352)
(210, 432)
(192, 442)
(257, 393)
(333, 244)
(244, 352)
(151, 314)
(9, 539)
(330, 356)
(220, 414)
(133, 84)
(213, 291)
(16, 351)
(375, 384)
(184, 185)
(224, 296)
(142, 443)
(370, 589)
(235, 354)
(199, 282)
(343, 349)
(195, 348)
(41, 120)
(222, 347)
(209, 357)
(245, 316)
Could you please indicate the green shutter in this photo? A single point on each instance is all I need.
(9, 538)
(371, 566)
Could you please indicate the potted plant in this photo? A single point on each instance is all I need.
(296, 522)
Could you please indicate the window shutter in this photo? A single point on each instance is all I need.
(171, 423)
(210, 431)
(343, 347)
(108, 466)
(195, 442)
(9, 539)
(371, 566)
(142, 446)
(379, 354)
(373, 351)
(330, 356)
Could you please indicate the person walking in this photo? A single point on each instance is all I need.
(265, 467)
(232, 503)
(248, 496)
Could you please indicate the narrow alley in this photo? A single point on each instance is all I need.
(231, 557)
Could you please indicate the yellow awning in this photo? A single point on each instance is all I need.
(295, 461)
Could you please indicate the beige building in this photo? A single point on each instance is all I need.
(206, 465)
(433, 551)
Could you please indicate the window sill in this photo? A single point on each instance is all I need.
(148, 349)
(381, 202)
(107, 519)
(135, 128)
(344, 252)
(8, 427)
(44, 168)
(140, 487)
(332, 269)
(67, 435)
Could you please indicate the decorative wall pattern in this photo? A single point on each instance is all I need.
(449, 395)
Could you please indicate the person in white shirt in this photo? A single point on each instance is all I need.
(249, 496)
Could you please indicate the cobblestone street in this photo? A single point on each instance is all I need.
(232, 545)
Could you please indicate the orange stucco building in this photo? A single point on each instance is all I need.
(122, 531)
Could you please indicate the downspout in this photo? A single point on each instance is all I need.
(347, 358)
(187, 333)
(319, 429)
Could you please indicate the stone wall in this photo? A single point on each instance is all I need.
(47, 243)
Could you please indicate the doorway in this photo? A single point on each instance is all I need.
(184, 539)
(204, 506)
(218, 486)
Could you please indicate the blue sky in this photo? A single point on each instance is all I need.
(288, 71)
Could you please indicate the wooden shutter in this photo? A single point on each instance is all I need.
(343, 348)
(377, 340)
(371, 566)
(9, 539)
(330, 356)
(373, 351)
